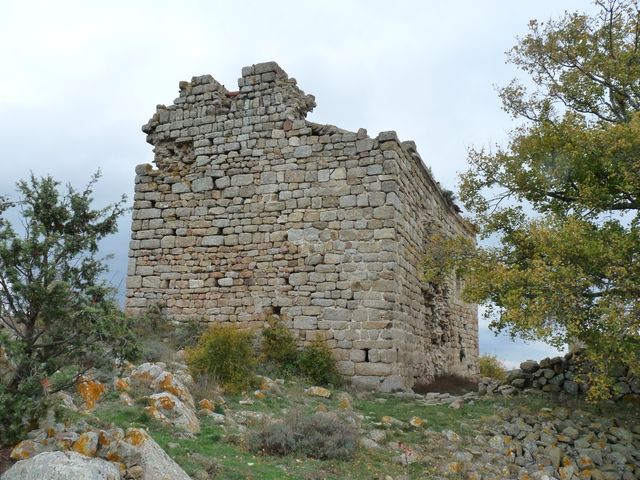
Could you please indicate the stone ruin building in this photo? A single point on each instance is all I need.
(253, 211)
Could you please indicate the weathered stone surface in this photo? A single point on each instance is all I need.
(169, 409)
(318, 392)
(90, 390)
(86, 444)
(156, 377)
(63, 466)
(202, 184)
(567, 376)
(138, 448)
(252, 207)
(529, 366)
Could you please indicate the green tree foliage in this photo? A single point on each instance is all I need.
(57, 317)
(492, 367)
(563, 196)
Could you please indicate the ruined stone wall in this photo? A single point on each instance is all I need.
(251, 211)
(438, 331)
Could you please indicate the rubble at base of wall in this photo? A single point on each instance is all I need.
(566, 376)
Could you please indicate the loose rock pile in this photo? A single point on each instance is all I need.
(66, 454)
(567, 375)
(562, 444)
(518, 442)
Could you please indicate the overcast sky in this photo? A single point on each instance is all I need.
(79, 78)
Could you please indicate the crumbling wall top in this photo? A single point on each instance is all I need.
(204, 100)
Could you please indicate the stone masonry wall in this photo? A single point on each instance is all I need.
(251, 210)
(439, 332)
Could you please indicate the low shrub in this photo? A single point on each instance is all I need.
(278, 438)
(492, 367)
(279, 347)
(225, 352)
(160, 338)
(317, 364)
(325, 436)
(322, 435)
(205, 386)
(186, 334)
(155, 350)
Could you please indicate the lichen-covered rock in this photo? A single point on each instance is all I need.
(63, 466)
(25, 449)
(206, 404)
(147, 372)
(170, 410)
(318, 392)
(416, 422)
(87, 444)
(156, 377)
(166, 382)
(138, 448)
(64, 400)
(90, 390)
(121, 384)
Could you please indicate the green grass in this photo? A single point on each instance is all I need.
(437, 417)
(212, 449)
(235, 462)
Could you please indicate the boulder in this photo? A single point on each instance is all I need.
(26, 449)
(64, 466)
(529, 366)
(86, 444)
(318, 392)
(156, 377)
(171, 411)
(91, 391)
(138, 448)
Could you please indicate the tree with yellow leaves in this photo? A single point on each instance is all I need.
(563, 196)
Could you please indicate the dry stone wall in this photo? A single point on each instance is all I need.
(251, 211)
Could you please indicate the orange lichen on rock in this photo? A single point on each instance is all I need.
(167, 403)
(87, 444)
(206, 404)
(136, 437)
(23, 450)
(143, 377)
(121, 384)
(154, 413)
(104, 439)
(90, 390)
(416, 422)
(166, 382)
(113, 457)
